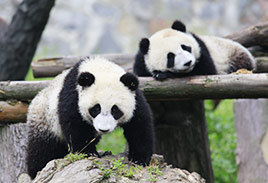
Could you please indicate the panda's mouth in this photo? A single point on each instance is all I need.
(104, 123)
(183, 70)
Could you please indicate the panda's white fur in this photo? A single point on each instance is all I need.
(222, 50)
(169, 40)
(43, 113)
(105, 92)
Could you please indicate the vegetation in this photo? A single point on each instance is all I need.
(222, 139)
(119, 168)
(72, 157)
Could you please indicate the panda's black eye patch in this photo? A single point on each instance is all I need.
(116, 112)
(86, 79)
(186, 48)
(170, 58)
(95, 110)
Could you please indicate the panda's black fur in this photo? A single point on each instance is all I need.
(44, 145)
(205, 64)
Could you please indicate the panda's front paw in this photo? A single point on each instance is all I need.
(93, 153)
(140, 160)
(159, 75)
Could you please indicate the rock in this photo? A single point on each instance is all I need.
(113, 169)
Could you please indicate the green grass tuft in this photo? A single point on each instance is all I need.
(72, 157)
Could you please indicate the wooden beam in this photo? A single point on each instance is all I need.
(256, 35)
(13, 112)
(197, 87)
(51, 67)
(20, 90)
(261, 64)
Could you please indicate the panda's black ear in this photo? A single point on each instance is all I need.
(144, 45)
(178, 25)
(130, 81)
(86, 79)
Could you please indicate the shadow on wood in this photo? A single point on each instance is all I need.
(181, 135)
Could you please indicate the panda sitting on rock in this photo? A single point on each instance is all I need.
(174, 52)
(90, 99)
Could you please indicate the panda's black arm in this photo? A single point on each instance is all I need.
(139, 132)
(139, 65)
(78, 134)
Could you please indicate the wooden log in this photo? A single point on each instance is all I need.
(21, 90)
(51, 67)
(197, 87)
(256, 35)
(181, 135)
(262, 64)
(252, 140)
(12, 112)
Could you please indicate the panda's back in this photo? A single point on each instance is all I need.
(225, 52)
(43, 110)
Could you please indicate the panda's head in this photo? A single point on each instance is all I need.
(172, 49)
(106, 94)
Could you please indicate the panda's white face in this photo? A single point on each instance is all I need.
(182, 60)
(107, 102)
(172, 50)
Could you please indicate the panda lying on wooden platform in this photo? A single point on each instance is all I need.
(90, 99)
(174, 52)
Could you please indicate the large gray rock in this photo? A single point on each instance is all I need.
(109, 169)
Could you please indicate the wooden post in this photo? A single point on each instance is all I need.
(13, 140)
(181, 135)
(251, 120)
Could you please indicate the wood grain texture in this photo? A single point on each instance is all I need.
(12, 112)
(181, 135)
(197, 87)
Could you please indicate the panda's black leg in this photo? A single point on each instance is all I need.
(41, 149)
(159, 75)
(139, 66)
(139, 133)
(83, 140)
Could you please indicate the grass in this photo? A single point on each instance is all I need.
(114, 142)
(72, 157)
(118, 167)
(222, 139)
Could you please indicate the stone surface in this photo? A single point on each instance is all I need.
(91, 170)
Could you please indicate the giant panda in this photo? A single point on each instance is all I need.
(81, 104)
(175, 52)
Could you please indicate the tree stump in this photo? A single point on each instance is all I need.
(251, 119)
(181, 135)
(13, 141)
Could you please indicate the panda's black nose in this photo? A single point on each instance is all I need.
(188, 63)
(103, 131)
